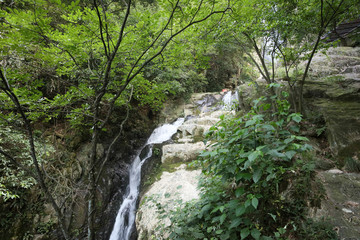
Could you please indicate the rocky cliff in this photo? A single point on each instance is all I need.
(333, 92)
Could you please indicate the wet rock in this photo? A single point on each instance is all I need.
(183, 152)
(202, 102)
(195, 128)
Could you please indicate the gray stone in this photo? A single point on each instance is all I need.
(340, 206)
(179, 185)
(183, 152)
(335, 171)
(333, 88)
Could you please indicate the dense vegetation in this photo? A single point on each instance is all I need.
(78, 62)
(257, 183)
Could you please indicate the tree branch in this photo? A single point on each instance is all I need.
(108, 152)
(39, 174)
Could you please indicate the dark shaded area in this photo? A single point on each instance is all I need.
(344, 31)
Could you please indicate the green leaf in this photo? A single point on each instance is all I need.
(254, 155)
(219, 231)
(250, 122)
(179, 231)
(290, 154)
(257, 175)
(239, 192)
(223, 150)
(289, 140)
(255, 233)
(235, 223)
(240, 211)
(244, 233)
(273, 216)
(205, 154)
(198, 235)
(221, 208)
(247, 164)
(206, 208)
(255, 202)
(296, 117)
(222, 218)
(301, 138)
(295, 128)
(268, 127)
(245, 176)
(275, 153)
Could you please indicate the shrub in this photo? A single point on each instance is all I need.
(255, 184)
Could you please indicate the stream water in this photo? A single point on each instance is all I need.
(125, 218)
(229, 99)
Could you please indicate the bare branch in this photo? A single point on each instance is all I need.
(101, 29)
(109, 150)
(39, 174)
(131, 75)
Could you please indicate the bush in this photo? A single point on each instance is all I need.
(255, 184)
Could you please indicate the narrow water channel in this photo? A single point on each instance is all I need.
(125, 218)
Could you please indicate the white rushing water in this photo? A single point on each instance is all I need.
(125, 218)
(229, 99)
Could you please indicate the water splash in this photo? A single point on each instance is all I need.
(125, 218)
(229, 100)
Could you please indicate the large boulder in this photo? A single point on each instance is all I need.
(194, 129)
(182, 152)
(178, 185)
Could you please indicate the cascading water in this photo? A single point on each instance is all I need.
(125, 218)
(229, 99)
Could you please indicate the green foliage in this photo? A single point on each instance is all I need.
(181, 82)
(317, 230)
(285, 35)
(227, 64)
(13, 179)
(67, 61)
(352, 164)
(255, 184)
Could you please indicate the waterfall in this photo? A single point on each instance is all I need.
(125, 218)
(229, 100)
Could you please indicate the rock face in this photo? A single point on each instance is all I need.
(342, 205)
(334, 89)
(177, 185)
(180, 184)
(182, 152)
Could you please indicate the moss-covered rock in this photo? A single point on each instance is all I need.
(335, 94)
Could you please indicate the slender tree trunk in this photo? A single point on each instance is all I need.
(302, 82)
(92, 186)
(39, 174)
